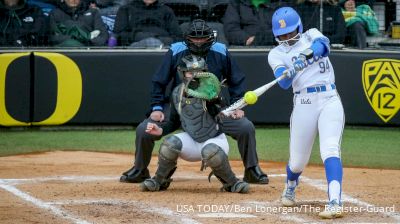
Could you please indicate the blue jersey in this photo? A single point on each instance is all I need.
(219, 62)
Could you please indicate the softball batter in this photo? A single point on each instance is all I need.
(317, 107)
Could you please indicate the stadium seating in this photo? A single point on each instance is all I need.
(216, 10)
(187, 10)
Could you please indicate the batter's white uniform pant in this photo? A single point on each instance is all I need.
(318, 112)
(191, 150)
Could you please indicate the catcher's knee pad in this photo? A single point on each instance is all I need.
(214, 157)
(171, 148)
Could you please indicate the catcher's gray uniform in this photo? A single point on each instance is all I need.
(202, 140)
(199, 126)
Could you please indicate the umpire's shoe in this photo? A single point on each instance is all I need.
(255, 175)
(134, 175)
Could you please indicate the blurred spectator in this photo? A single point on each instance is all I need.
(21, 25)
(248, 22)
(146, 24)
(360, 22)
(45, 5)
(108, 11)
(109, 7)
(74, 24)
(333, 25)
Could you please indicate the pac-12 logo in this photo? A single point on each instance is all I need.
(381, 82)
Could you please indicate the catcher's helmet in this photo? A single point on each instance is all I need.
(192, 63)
(286, 20)
(199, 29)
(200, 83)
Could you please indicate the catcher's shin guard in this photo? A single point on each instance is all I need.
(214, 157)
(167, 157)
(154, 184)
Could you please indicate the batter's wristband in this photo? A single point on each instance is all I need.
(157, 108)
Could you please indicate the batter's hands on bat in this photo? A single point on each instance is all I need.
(301, 61)
(237, 114)
(153, 129)
(157, 116)
(290, 73)
(299, 64)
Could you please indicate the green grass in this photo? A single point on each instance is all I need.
(361, 147)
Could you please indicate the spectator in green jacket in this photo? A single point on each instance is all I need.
(74, 24)
(360, 22)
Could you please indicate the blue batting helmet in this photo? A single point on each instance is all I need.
(286, 20)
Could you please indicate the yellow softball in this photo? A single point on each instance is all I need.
(250, 97)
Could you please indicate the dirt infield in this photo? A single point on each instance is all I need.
(83, 187)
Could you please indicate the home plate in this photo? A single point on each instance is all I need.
(225, 215)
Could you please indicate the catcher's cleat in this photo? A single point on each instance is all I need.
(239, 187)
(134, 175)
(332, 210)
(150, 185)
(288, 196)
(255, 175)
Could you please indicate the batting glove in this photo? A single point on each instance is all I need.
(299, 64)
(301, 61)
(290, 73)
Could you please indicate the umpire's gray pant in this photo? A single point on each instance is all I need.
(242, 130)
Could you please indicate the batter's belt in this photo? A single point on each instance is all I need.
(316, 89)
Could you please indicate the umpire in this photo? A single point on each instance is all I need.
(199, 40)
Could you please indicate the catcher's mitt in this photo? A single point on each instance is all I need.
(208, 87)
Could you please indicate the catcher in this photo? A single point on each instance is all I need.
(198, 104)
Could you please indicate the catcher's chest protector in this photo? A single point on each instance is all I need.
(196, 121)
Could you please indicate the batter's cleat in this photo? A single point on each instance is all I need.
(150, 185)
(134, 175)
(239, 187)
(254, 175)
(332, 210)
(288, 196)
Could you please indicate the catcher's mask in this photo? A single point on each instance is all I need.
(199, 37)
(200, 83)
